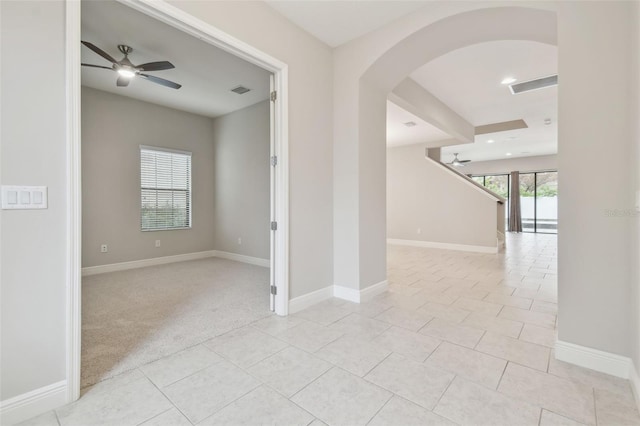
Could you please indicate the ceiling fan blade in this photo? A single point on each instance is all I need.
(161, 81)
(123, 81)
(156, 66)
(464, 161)
(100, 52)
(97, 66)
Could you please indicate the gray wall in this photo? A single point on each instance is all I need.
(594, 136)
(33, 148)
(113, 128)
(635, 165)
(421, 194)
(242, 181)
(523, 164)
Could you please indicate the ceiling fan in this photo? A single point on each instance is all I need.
(456, 162)
(127, 71)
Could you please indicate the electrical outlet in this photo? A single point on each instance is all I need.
(239, 241)
(104, 248)
(157, 243)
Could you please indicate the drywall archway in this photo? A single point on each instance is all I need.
(360, 145)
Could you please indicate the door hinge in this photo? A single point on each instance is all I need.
(274, 96)
(274, 289)
(274, 160)
(274, 225)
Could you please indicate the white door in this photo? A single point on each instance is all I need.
(273, 161)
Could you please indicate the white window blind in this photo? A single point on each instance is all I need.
(165, 183)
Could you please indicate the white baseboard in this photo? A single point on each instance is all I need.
(444, 246)
(33, 403)
(297, 304)
(594, 359)
(358, 296)
(634, 378)
(124, 266)
(242, 258)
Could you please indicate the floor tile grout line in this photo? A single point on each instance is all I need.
(380, 409)
(169, 399)
(159, 414)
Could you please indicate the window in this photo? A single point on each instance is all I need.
(165, 189)
(500, 185)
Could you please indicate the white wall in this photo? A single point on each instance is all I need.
(594, 136)
(33, 244)
(310, 129)
(424, 195)
(241, 179)
(522, 164)
(113, 128)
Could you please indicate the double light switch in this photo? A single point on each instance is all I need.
(24, 197)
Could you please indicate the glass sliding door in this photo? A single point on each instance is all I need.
(498, 184)
(547, 202)
(527, 201)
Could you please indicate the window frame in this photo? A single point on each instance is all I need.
(189, 190)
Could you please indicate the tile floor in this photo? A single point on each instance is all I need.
(459, 338)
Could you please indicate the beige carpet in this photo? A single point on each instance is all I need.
(130, 318)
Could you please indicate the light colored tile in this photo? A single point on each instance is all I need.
(552, 419)
(341, 398)
(128, 404)
(276, 324)
(458, 282)
(616, 409)
(439, 297)
(564, 397)
(399, 411)
(471, 404)
(448, 313)
(540, 319)
(260, 406)
(368, 308)
(317, 422)
(525, 353)
(309, 336)
(353, 354)
(417, 382)
(323, 313)
(407, 343)
(202, 394)
(514, 301)
(172, 417)
(47, 419)
(411, 320)
(401, 300)
(359, 325)
(172, 368)
(493, 324)
(495, 288)
(451, 332)
(472, 365)
(289, 370)
(588, 377)
(403, 289)
(469, 293)
(480, 306)
(538, 335)
(245, 346)
(547, 307)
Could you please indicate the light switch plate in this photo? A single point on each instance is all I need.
(24, 197)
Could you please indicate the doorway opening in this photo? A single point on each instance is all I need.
(270, 231)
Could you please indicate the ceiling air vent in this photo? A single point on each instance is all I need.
(240, 90)
(410, 123)
(540, 83)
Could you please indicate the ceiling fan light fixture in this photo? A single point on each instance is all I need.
(126, 73)
(508, 80)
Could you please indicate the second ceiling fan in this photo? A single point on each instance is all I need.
(127, 70)
(456, 162)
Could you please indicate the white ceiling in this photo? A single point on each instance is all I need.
(399, 134)
(338, 22)
(468, 80)
(206, 73)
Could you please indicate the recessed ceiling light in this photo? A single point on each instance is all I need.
(508, 80)
(410, 123)
(508, 154)
(490, 141)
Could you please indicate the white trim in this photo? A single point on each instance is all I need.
(303, 302)
(634, 378)
(444, 246)
(346, 293)
(143, 263)
(33, 403)
(359, 296)
(189, 24)
(242, 258)
(373, 290)
(594, 359)
(74, 201)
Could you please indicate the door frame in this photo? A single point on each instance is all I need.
(195, 27)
